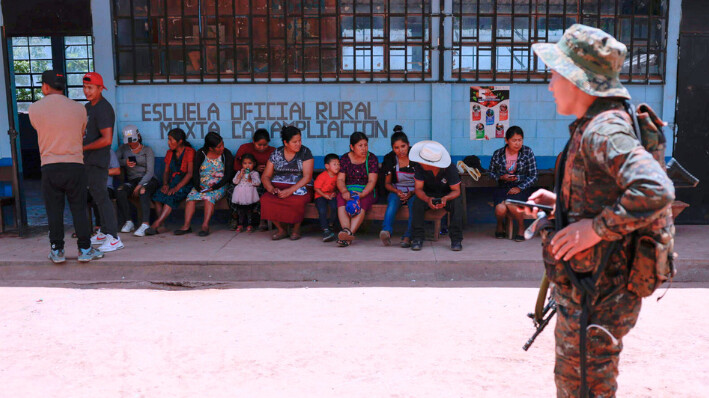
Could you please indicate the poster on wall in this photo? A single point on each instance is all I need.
(489, 112)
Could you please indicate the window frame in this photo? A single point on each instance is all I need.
(243, 53)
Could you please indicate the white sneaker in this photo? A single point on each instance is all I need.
(111, 244)
(141, 230)
(98, 238)
(128, 227)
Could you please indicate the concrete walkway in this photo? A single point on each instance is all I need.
(226, 257)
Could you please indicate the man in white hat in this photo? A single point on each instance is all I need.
(437, 187)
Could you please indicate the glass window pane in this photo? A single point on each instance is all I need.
(20, 41)
(75, 79)
(40, 66)
(80, 40)
(20, 53)
(43, 41)
(73, 52)
(21, 66)
(23, 107)
(22, 81)
(76, 93)
(77, 65)
(23, 94)
(41, 52)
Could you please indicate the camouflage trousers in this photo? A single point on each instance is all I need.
(617, 314)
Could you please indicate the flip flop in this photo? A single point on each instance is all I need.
(343, 243)
(279, 236)
(346, 235)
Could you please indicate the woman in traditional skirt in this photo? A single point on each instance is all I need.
(213, 172)
(177, 178)
(357, 179)
(288, 171)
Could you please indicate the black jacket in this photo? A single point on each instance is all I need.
(228, 160)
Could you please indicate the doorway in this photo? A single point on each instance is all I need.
(29, 57)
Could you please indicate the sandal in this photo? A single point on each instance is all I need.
(343, 243)
(346, 235)
(279, 236)
(294, 236)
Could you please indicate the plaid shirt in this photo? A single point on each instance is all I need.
(526, 170)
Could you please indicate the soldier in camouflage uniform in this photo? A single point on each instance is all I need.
(611, 187)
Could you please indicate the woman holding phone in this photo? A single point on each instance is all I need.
(515, 169)
(213, 171)
(138, 162)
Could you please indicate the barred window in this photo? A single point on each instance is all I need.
(274, 40)
(492, 38)
(173, 41)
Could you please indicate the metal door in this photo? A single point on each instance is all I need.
(692, 112)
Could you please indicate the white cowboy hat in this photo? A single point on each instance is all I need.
(430, 153)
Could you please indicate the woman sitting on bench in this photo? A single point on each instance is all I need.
(213, 165)
(515, 169)
(356, 182)
(398, 172)
(288, 171)
(177, 178)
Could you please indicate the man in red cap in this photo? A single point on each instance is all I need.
(97, 155)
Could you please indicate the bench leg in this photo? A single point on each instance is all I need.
(436, 229)
(510, 226)
(2, 221)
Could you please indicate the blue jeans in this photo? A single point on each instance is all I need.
(322, 205)
(393, 205)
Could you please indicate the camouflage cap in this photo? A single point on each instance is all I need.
(588, 57)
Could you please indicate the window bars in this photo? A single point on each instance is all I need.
(250, 41)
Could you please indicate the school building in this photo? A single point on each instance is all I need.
(332, 67)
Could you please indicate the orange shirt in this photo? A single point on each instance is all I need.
(325, 183)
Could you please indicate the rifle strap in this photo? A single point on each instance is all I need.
(584, 282)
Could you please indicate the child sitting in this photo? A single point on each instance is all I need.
(245, 196)
(325, 196)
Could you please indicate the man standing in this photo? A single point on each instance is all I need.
(611, 186)
(97, 147)
(437, 186)
(60, 124)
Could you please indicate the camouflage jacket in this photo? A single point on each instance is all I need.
(610, 177)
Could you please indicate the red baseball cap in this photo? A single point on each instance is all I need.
(94, 78)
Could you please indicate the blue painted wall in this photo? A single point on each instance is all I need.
(330, 113)
(437, 111)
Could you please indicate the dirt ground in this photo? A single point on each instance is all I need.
(289, 340)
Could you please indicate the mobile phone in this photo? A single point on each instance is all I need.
(131, 159)
(520, 203)
(436, 201)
